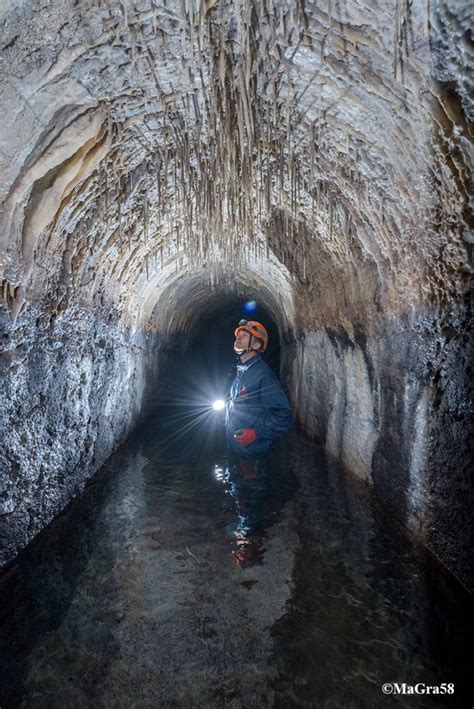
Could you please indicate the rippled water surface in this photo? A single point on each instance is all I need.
(182, 579)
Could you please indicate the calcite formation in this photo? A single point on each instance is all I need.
(160, 156)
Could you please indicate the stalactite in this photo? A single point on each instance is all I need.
(145, 219)
(331, 217)
(221, 150)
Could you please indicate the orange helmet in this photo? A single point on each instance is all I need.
(256, 329)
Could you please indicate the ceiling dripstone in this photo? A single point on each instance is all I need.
(147, 140)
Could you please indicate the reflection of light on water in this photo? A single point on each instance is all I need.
(218, 472)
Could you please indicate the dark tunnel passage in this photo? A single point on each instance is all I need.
(203, 358)
(201, 365)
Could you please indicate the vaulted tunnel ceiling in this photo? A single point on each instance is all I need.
(192, 298)
(319, 148)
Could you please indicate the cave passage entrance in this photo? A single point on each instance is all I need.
(211, 338)
(201, 369)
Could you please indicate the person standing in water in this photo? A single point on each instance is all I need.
(257, 412)
(257, 409)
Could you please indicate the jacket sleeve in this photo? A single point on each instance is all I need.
(276, 416)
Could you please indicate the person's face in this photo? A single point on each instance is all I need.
(242, 342)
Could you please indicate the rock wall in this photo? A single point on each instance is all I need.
(394, 408)
(73, 388)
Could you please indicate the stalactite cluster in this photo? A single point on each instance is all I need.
(199, 125)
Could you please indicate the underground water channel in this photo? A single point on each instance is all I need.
(175, 581)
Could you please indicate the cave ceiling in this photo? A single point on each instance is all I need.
(317, 148)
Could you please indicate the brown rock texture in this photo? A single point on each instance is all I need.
(158, 157)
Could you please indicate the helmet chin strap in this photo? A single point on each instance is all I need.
(249, 348)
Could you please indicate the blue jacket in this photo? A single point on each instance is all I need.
(256, 400)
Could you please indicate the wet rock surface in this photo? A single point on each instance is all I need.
(72, 389)
(159, 159)
(393, 411)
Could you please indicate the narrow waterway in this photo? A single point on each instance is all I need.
(179, 580)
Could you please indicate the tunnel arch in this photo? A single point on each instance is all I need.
(191, 296)
(203, 350)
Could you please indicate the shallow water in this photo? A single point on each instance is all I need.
(179, 580)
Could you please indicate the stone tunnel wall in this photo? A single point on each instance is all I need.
(394, 409)
(73, 388)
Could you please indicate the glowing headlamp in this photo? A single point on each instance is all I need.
(219, 405)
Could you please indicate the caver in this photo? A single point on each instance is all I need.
(257, 410)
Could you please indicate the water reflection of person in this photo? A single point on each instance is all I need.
(247, 483)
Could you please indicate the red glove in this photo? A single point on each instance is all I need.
(245, 436)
